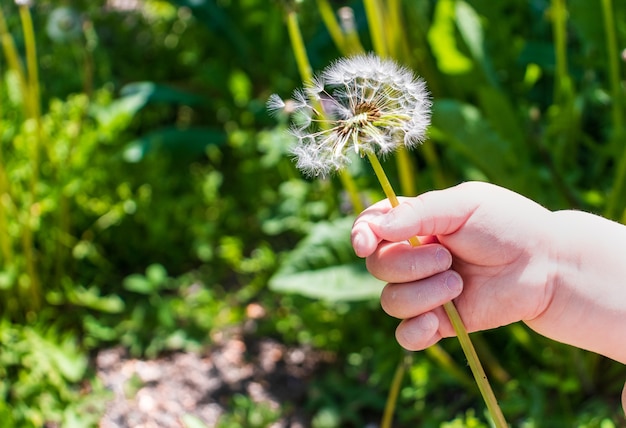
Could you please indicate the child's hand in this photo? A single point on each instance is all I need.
(503, 258)
(477, 238)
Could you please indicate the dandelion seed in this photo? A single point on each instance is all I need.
(275, 104)
(361, 104)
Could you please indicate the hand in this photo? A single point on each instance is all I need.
(503, 258)
(482, 244)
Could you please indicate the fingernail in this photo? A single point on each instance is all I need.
(443, 259)
(428, 321)
(454, 283)
(357, 241)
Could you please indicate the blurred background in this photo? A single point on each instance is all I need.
(163, 263)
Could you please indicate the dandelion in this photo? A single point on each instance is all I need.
(361, 104)
(369, 106)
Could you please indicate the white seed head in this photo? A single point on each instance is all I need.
(363, 104)
(275, 104)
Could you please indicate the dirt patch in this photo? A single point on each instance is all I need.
(160, 392)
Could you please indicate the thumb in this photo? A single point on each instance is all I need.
(439, 212)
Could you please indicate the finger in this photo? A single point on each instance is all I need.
(414, 298)
(415, 334)
(440, 212)
(364, 240)
(400, 262)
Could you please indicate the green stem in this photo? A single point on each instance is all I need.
(615, 199)
(297, 45)
(349, 27)
(394, 391)
(432, 159)
(562, 84)
(351, 189)
(334, 29)
(306, 74)
(612, 209)
(475, 366)
(374, 12)
(406, 172)
(33, 95)
(453, 315)
(31, 60)
(6, 246)
(398, 44)
(14, 62)
(445, 361)
(613, 55)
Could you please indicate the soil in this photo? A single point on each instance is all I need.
(161, 392)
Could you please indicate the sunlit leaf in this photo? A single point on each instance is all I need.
(441, 36)
(323, 266)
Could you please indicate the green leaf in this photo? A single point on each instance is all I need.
(442, 38)
(324, 266)
(139, 284)
(152, 92)
(178, 142)
(468, 23)
(336, 283)
(156, 273)
(467, 132)
(91, 298)
(191, 421)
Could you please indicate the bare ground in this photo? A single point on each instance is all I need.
(161, 392)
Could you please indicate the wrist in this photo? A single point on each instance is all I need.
(586, 285)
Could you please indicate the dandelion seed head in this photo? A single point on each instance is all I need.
(361, 104)
(275, 104)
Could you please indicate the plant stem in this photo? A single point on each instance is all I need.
(392, 399)
(562, 84)
(306, 74)
(475, 366)
(406, 172)
(352, 191)
(349, 27)
(375, 15)
(333, 27)
(298, 48)
(614, 204)
(453, 315)
(613, 55)
(14, 62)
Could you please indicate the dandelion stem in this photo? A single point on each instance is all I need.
(387, 188)
(453, 315)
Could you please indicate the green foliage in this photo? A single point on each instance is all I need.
(149, 198)
(323, 265)
(40, 369)
(247, 413)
